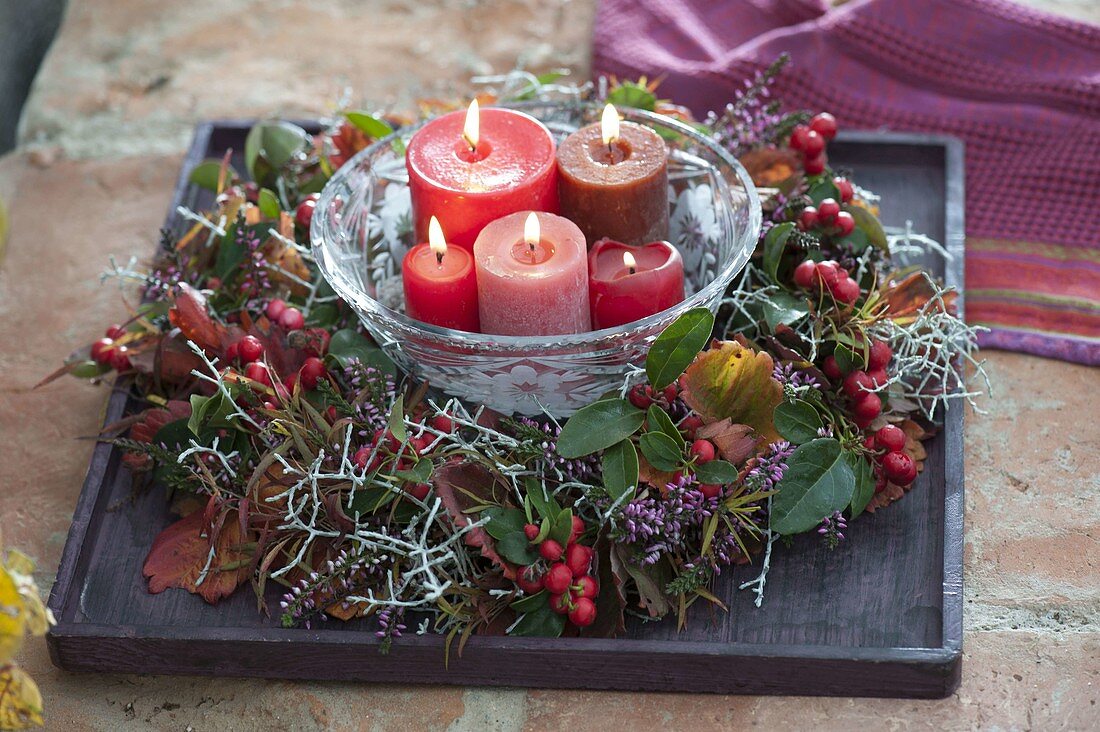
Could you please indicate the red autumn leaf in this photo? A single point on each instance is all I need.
(730, 381)
(461, 486)
(148, 425)
(181, 551)
(906, 297)
(735, 442)
(190, 314)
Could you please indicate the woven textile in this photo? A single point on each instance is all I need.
(1020, 87)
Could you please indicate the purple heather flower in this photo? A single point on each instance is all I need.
(831, 528)
(581, 470)
(770, 467)
(789, 375)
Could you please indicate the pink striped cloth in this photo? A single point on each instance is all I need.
(1020, 87)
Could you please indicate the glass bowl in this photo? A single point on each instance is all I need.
(362, 228)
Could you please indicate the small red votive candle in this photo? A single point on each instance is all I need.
(470, 168)
(532, 276)
(440, 283)
(629, 283)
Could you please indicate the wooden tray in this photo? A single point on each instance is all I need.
(879, 616)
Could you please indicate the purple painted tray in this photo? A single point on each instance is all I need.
(880, 616)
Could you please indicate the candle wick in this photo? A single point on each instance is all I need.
(470, 144)
(532, 245)
(439, 258)
(631, 270)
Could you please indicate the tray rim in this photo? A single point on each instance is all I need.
(943, 661)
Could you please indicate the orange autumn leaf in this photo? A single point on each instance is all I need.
(735, 442)
(905, 299)
(733, 382)
(769, 167)
(190, 314)
(146, 428)
(180, 553)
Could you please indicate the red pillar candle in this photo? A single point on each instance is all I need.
(470, 168)
(613, 181)
(629, 283)
(440, 283)
(532, 276)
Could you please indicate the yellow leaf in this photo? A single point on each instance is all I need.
(11, 617)
(20, 700)
(19, 563)
(733, 382)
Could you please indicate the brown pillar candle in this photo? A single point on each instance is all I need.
(613, 181)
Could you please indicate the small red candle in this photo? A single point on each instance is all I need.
(470, 168)
(440, 283)
(532, 276)
(629, 283)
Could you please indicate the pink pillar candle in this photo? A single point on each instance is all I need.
(532, 282)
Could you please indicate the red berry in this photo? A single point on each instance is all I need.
(250, 349)
(844, 223)
(304, 213)
(529, 582)
(115, 331)
(258, 372)
(689, 425)
(869, 443)
(824, 124)
(847, 291)
(798, 137)
(419, 491)
(671, 392)
(292, 319)
(421, 444)
(804, 274)
(312, 371)
(878, 377)
(831, 368)
(232, 352)
(530, 531)
(827, 211)
(891, 438)
(559, 603)
(641, 396)
(578, 529)
(443, 423)
(102, 350)
(578, 558)
(845, 187)
(710, 490)
(392, 443)
(899, 468)
(270, 406)
(550, 550)
(702, 451)
(828, 273)
(813, 144)
(362, 455)
(583, 613)
(808, 218)
(275, 309)
(119, 360)
(331, 413)
(557, 579)
(857, 383)
(586, 587)
(880, 482)
(815, 166)
(880, 355)
(866, 407)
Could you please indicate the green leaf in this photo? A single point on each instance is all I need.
(271, 145)
(531, 602)
(421, 472)
(824, 188)
(176, 435)
(783, 308)
(504, 521)
(659, 421)
(516, 549)
(661, 451)
(797, 421)
(323, 315)
(847, 359)
(598, 426)
(869, 224)
(563, 526)
(268, 204)
(775, 241)
(632, 94)
(372, 126)
(677, 346)
(716, 472)
(396, 422)
(89, 370)
(208, 412)
(620, 469)
(231, 252)
(541, 499)
(818, 482)
(865, 482)
(349, 344)
(541, 622)
(205, 174)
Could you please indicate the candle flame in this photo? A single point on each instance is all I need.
(436, 241)
(628, 260)
(471, 129)
(609, 124)
(531, 232)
